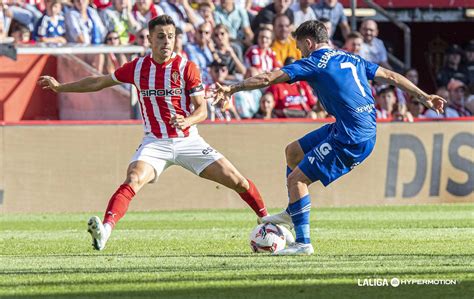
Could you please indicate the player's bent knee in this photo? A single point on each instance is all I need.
(135, 179)
(294, 179)
(293, 154)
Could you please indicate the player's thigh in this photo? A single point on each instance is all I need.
(223, 172)
(330, 159)
(313, 138)
(151, 158)
(195, 154)
(296, 150)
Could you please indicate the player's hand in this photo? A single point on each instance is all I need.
(179, 122)
(221, 94)
(48, 82)
(435, 103)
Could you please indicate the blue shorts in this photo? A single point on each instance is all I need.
(327, 159)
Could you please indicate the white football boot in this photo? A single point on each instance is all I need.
(296, 249)
(99, 233)
(280, 218)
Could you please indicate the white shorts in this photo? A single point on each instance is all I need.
(192, 153)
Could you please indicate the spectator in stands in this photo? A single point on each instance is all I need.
(247, 101)
(333, 11)
(142, 40)
(385, 102)
(83, 24)
(269, 13)
(20, 33)
(458, 95)
(202, 51)
(401, 113)
(25, 13)
(389, 105)
(119, 18)
(205, 13)
(284, 45)
(373, 48)
(178, 43)
(353, 42)
(145, 10)
(236, 20)
(261, 57)
(221, 111)
(292, 100)
(253, 7)
(229, 53)
(108, 63)
(452, 68)
(469, 55)
(303, 11)
(6, 16)
(51, 28)
(448, 111)
(182, 14)
(267, 103)
(414, 107)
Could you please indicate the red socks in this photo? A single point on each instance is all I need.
(253, 198)
(118, 204)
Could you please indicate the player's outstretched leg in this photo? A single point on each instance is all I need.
(138, 174)
(223, 172)
(299, 210)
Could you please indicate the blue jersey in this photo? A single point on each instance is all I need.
(46, 27)
(340, 80)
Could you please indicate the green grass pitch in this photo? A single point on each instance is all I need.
(205, 254)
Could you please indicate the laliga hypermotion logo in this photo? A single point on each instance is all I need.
(322, 151)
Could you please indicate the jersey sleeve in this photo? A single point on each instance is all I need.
(193, 80)
(370, 69)
(125, 73)
(299, 70)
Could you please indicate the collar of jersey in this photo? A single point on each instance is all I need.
(173, 56)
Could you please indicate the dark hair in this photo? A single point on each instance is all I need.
(280, 15)
(386, 89)
(324, 20)
(354, 34)
(179, 31)
(221, 26)
(162, 20)
(312, 29)
(217, 64)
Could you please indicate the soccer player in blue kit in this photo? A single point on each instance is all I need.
(340, 80)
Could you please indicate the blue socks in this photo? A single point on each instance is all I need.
(299, 212)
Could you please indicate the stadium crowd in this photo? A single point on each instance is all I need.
(231, 40)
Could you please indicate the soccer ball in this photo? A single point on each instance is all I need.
(269, 237)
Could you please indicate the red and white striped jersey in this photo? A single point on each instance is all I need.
(164, 90)
(263, 60)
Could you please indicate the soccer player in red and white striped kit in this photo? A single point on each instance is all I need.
(172, 102)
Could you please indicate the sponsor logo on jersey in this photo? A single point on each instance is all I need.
(322, 151)
(366, 108)
(161, 92)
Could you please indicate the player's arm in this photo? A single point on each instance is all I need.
(433, 101)
(256, 82)
(198, 115)
(87, 84)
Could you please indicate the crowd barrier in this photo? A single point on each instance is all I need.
(76, 166)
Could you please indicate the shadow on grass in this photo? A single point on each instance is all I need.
(462, 290)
